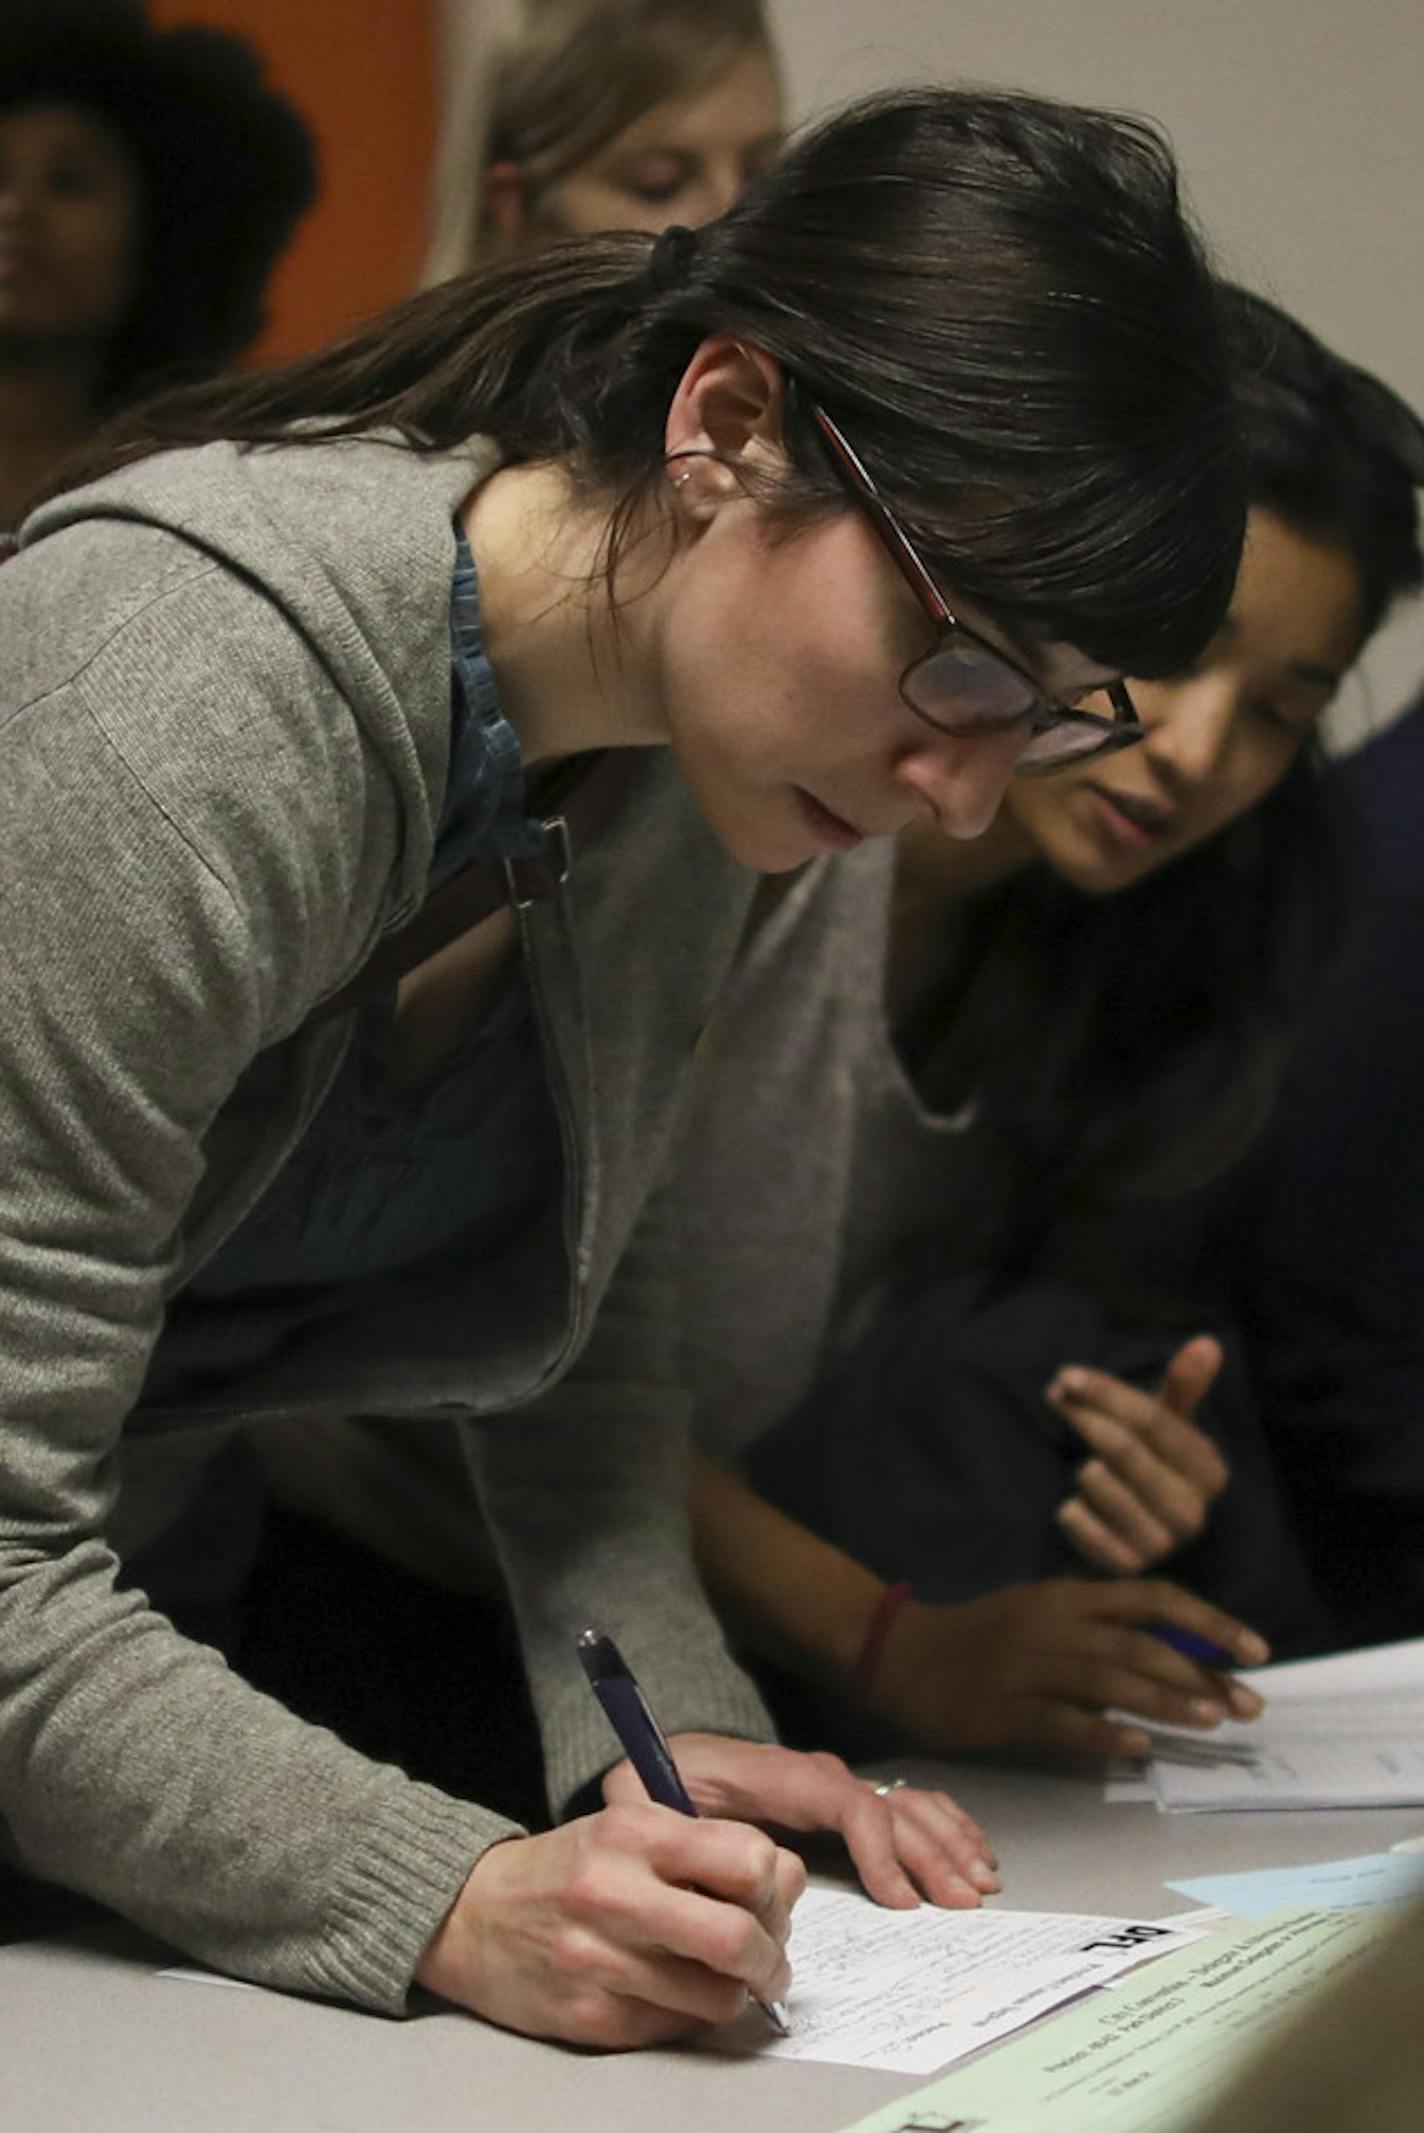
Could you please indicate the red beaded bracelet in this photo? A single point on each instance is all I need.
(867, 1666)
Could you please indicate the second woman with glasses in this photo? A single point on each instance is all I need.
(347, 1033)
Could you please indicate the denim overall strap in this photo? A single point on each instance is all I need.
(490, 852)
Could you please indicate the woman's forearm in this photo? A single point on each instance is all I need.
(787, 1594)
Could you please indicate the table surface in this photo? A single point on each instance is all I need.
(91, 2037)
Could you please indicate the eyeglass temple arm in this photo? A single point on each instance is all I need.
(906, 557)
(881, 518)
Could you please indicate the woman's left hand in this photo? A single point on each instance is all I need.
(904, 1842)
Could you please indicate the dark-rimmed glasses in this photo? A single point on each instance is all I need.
(964, 685)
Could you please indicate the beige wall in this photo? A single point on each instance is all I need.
(1299, 125)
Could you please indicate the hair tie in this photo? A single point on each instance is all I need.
(669, 259)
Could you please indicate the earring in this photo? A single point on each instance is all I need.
(679, 479)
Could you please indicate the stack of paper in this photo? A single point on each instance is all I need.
(1340, 1751)
(1341, 1732)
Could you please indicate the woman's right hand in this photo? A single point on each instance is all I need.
(1153, 1473)
(1039, 1666)
(627, 1927)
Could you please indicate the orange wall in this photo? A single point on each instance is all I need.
(362, 72)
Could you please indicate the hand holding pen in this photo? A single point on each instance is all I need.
(628, 1927)
(641, 1738)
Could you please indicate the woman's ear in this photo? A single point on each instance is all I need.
(729, 404)
(504, 202)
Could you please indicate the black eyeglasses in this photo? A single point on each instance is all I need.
(963, 684)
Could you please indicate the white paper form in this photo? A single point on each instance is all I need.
(1366, 1716)
(1377, 1668)
(184, 1975)
(1300, 1770)
(910, 1991)
(1347, 1731)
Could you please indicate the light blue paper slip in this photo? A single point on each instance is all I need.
(1334, 1885)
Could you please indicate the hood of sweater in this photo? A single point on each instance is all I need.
(374, 608)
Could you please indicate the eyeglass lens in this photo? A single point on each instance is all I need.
(964, 687)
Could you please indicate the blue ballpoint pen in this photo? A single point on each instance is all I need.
(1191, 1645)
(641, 1738)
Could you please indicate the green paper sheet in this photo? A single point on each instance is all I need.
(1150, 2054)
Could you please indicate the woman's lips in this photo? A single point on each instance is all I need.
(1130, 819)
(831, 829)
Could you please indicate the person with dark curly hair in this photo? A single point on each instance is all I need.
(148, 182)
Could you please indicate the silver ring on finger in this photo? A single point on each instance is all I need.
(888, 1785)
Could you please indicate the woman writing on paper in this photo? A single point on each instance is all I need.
(551, 559)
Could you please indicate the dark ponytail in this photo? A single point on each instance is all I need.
(998, 295)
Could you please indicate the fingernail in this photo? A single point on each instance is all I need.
(1071, 1379)
(959, 1895)
(1211, 1714)
(1254, 1650)
(983, 1877)
(1136, 1745)
(1245, 1702)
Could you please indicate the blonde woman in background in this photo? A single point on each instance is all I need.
(583, 115)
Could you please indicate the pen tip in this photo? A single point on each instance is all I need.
(779, 2015)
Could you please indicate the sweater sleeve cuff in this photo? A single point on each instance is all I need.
(413, 1859)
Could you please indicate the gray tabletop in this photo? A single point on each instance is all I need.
(92, 2037)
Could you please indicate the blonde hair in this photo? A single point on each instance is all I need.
(545, 84)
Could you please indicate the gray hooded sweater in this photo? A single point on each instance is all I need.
(224, 722)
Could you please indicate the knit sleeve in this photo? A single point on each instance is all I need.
(156, 932)
(587, 1497)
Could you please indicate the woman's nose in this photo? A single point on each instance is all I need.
(1189, 742)
(961, 778)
